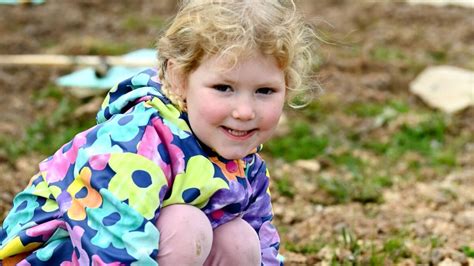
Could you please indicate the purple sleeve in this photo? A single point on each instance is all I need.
(259, 213)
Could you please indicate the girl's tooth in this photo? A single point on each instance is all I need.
(236, 133)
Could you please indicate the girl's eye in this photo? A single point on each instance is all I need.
(223, 88)
(265, 91)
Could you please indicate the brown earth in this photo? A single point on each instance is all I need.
(352, 30)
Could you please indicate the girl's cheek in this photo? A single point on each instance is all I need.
(212, 111)
(276, 112)
(273, 117)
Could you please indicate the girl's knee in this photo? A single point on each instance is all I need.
(185, 235)
(235, 243)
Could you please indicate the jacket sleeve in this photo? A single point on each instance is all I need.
(259, 213)
(22, 229)
(96, 201)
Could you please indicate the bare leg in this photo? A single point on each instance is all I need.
(185, 236)
(235, 243)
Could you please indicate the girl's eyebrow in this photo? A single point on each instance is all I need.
(272, 82)
(225, 79)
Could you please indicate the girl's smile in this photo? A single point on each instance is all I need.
(238, 135)
(234, 110)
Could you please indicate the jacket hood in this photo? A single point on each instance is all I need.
(141, 87)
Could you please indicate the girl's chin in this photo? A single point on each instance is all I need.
(233, 155)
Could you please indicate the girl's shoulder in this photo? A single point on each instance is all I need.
(142, 86)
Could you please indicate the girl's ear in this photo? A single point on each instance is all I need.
(175, 79)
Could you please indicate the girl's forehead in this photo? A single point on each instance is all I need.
(259, 68)
(228, 61)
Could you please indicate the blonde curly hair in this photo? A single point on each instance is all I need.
(235, 29)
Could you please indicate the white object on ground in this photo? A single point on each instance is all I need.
(447, 88)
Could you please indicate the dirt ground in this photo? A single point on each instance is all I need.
(347, 73)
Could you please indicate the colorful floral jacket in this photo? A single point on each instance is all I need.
(97, 199)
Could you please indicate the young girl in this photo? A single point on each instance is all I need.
(171, 173)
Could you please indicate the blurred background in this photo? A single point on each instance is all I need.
(368, 174)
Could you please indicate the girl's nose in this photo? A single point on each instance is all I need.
(244, 111)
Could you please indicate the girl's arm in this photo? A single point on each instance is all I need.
(97, 216)
(93, 202)
(32, 220)
(259, 213)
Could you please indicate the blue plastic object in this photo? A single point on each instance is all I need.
(87, 78)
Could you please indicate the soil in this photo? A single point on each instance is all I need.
(351, 30)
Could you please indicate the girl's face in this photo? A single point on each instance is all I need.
(234, 110)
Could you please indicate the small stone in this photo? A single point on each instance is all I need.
(407, 262)
(470, 261)
(278, 210)
(449, 262)
(458, 256)
(290, 216)
(309, 165)
(447, 88)
(326, 254)
(344, 254)
(465, 218)
(448, 257)
(294, 258)
(319, 208)
(436, 256)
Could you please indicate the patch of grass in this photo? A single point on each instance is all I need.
(383, 181)
(375, 259)
(338, 189)
(347, 249)
(468, 251)
(49, 132)
(373, 109)
(378, 147)
(394, 55)
(300, 143)
(134, 23)
(310, 248)
(350, 242)
(98, 47)
(444, 157)
(426, 138)
(423, 138)
(364, 109)
(395, 248)
(360, 186)
(438, 56)
(435, 242)
(358, 189)
(348, 161)
(50, 91)
(313, 111)
(366, 191)
(399, 106)
(387, 54)
(284, 187)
